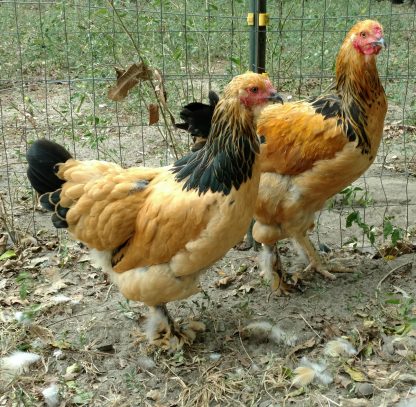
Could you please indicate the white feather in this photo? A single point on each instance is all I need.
(258, 329)
(18, 362)
(265, 330)
(22, 318)
(303, 376)
(60, 299)
(51, 395)
(278, 335)
(309, 371)
(339, 347)
(407, 403)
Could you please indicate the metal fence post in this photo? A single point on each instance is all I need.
(257, 19)
(251, 21)
(261, 26)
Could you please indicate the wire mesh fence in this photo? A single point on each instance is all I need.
(58, 59)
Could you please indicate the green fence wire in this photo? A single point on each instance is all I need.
(58, 61)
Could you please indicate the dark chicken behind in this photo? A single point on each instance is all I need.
(197, 118)
(155, 230)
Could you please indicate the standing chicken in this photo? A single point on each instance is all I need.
(154, 230)
(315, 148)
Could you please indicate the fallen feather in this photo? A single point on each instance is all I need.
(339, 347)
(18, 362)
(51, 395)
(308, 371)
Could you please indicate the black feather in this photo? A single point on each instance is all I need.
(197, 116)
(218, 166)
(328, 106)
(58, 222)
(42, 157)
(46, 203)
(61, 211)
(352, 117)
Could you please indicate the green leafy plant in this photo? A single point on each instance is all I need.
(405, 314)
(395, 233)
(355, 218)
(351, 196)
(25, 281)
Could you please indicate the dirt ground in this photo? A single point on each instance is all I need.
(54, 303)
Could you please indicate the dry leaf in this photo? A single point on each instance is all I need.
(224, 282)
(3, 243)
(355, 374)
(153, 395)
(161, 93)
(36, 261)
(354, 402)
(61, 344)
(126, 80)
(246, 288)
(14, 299)
(160, 87)
(305, 345)
(44, 334)
(153, 113)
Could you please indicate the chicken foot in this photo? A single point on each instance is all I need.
(167, 334)
(315, 262)
(271, 267)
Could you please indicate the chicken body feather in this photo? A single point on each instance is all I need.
(154, 230)
(315, 148)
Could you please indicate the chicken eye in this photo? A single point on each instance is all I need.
(254, 89)
(363, 34)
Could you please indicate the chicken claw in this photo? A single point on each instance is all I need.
(162, 331)
(271, 267)
(327, 270)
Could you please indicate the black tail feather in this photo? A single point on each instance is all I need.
(42, 157)
(197, 116)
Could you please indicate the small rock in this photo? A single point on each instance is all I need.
(364, 389)
(408, 378)
(408, 402)
(72, 372)
(324, 248)
(354, 402)
(153, 382)
(404, 343)
(146, 363)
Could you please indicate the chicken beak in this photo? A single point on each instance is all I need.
(379, 43)
(275, 97)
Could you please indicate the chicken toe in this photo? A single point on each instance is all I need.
(327, 269)
(163, 332)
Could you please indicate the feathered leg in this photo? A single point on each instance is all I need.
(315, 263)
(271, 267)
(165, 333)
